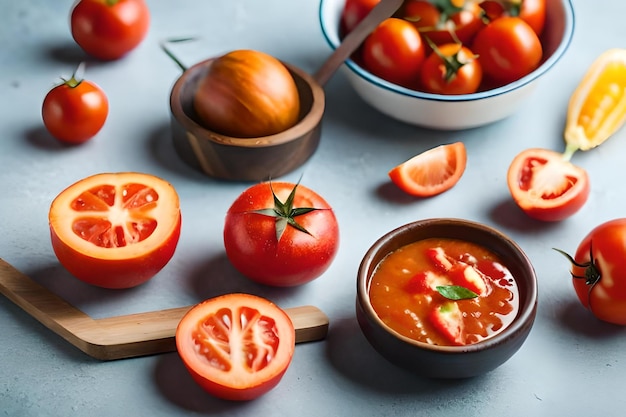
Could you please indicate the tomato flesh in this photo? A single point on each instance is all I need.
(236, 346)
(545, 186)
(115, 230)
(432, 172)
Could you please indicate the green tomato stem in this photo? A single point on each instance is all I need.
(570, 150)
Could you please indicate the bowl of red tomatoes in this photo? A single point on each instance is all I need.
(446, 298)
(451, 65)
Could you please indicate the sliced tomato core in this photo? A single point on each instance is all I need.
(541, 177)
(242, 338)
(116, 214)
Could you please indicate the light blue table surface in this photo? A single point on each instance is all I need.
(571, 364)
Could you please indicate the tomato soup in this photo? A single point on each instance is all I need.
(444, 292)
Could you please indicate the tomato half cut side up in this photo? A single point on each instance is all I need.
(431, 172)
(115, 230)
(236, 346)
(546, 186)
(597, 108)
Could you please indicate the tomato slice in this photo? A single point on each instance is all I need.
(597, 108)
(236, 346)
(431, 172)
(546, 186)
(115, 230)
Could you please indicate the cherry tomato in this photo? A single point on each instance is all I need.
(75, 111)
(448, 24)
(115, 230)
(109, 29)
(394, 51)
(353, 12)
(508, 49)
(546, 186)
(422, 13)
(236, 346)
(281, 234)
(532, 12)
(598, 272)
(431, 172)
(451, 69)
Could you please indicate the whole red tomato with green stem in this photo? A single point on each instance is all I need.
(75, 111)
(444, 21)
(532, 12)
(281, 234)
(109, 29)
(451, 69)
(598, 272)
(394, 51)
(508, 49)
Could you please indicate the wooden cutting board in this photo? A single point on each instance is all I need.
(122, 336)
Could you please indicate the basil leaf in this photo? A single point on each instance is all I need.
(456, 292)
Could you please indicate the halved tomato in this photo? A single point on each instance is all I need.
(431, 172)
(546, 186)
(115, 230)
(236, 346)
(597, 108)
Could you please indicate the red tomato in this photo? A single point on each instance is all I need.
(532, 12)
(115, 230)
(598, 272)
(431, 172)
(109, 29)
(353, 12)
(545, 186)
(508, 49)
(75, 111)
(394, 51)
(451, 69)
(422, 13)
(236, 346)
(449, 24)
(281, 234)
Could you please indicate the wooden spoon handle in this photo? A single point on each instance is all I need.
(380, 12)
(122, 336)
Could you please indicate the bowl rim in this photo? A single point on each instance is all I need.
(525, 315)
(309, 121)
(568, 33)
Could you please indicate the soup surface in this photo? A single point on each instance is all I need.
(444, 292)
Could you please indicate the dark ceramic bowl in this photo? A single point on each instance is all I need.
(245, 159)
(435, 361)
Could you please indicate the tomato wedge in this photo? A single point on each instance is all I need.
(597, 108)
(546, 186)
(236, 346)
(115, 230)
(431, 172)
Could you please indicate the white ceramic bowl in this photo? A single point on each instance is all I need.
(447, 112)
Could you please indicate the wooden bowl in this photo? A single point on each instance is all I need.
(438, 361)
(245, 159)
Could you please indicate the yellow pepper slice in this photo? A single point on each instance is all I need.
(597, 108)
